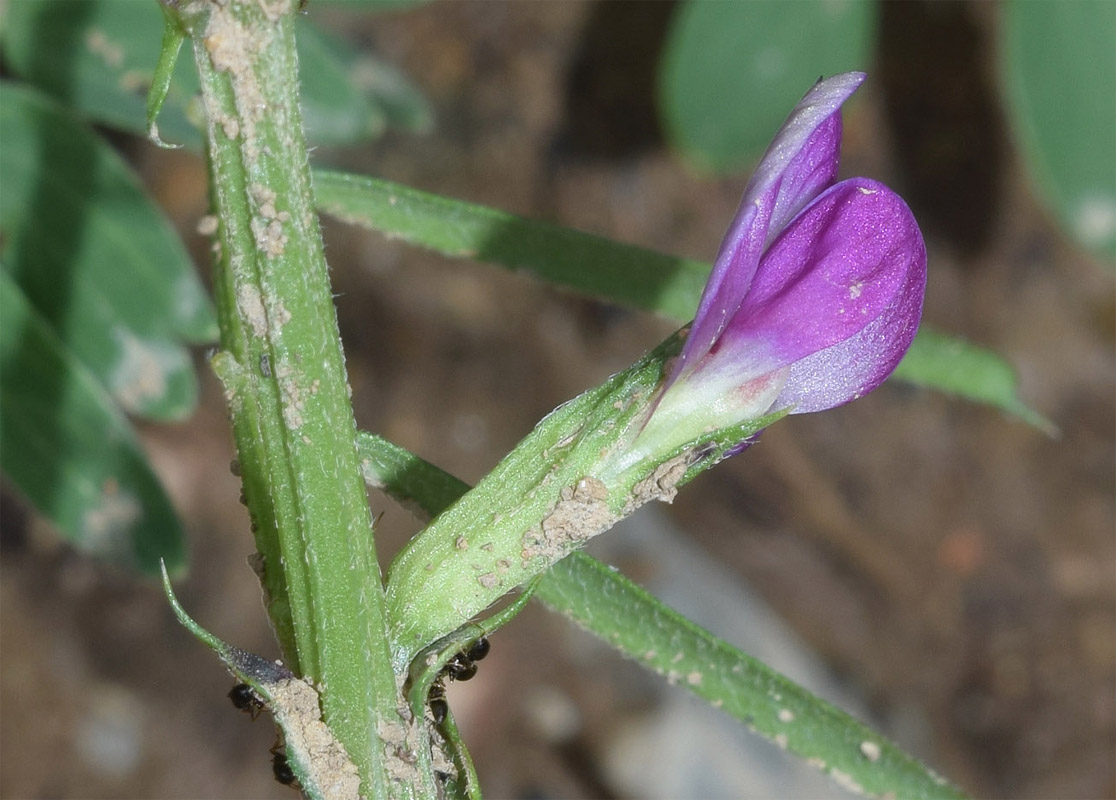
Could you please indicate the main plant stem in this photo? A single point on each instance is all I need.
(283, 369)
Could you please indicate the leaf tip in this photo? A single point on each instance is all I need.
(154, 137)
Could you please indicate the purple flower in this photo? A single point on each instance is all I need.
(816, 292)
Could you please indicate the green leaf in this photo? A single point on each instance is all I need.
(415, 483)
(613, 608)
(99, 56)
(68, 448)
(348, 96)
(730, 71)
(333, 111)
(625, 616)
(596, 266)
(96, 258)
(390, 91)
(957, 367)
(1060, 76)
(616, 272)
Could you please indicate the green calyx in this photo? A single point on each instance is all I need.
(567, 481)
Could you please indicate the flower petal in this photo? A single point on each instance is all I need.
(837, 297)
(801, 161)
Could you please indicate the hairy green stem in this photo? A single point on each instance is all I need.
(283, 371)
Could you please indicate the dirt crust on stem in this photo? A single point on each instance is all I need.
(294, 703)
(662, 484)
(581, 513)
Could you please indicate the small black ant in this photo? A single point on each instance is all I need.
(462, 667)
(244, 697)
(281, 767)
(439, 708)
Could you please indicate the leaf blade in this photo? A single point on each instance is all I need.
(1060, 77)
(100, 56)
(70, 450)
(728, 70)
(957, 367)
(97, 258)
(590, 264)
(619, 612)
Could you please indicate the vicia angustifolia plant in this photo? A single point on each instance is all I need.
(814, 298)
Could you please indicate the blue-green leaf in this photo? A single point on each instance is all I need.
(70, 450)
(348, 96)
(333, 111)
(99, 56)
(730, 71)
(96, 258)
(1060, 75)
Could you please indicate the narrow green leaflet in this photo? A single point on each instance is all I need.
(955, 366)
(617, 272)
(71, 452)
(728, 68)
(596, 266)
(610, 606)
(607, 604)
(99, 57)
(417, 484)
(1060, 74)
(96, 258)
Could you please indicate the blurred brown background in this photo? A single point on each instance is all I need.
(954, 568)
